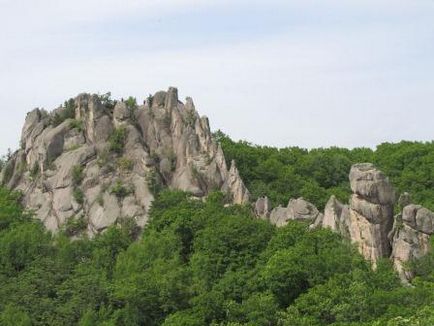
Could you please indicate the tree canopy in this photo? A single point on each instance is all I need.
(316, 174)
(198, 263)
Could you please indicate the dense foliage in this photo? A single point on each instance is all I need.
(198, 263)
(64, 113)
(318, 173)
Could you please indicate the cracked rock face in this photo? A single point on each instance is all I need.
(368, 218)
(410, 236)
(370, 211)
(336, 217)
(105, 162)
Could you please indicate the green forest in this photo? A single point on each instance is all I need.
(206, 263)
(317, 174)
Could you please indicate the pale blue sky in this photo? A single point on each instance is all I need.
(306, 73)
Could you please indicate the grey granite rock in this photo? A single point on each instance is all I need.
(167, 144)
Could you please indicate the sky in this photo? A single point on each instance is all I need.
(280, 73)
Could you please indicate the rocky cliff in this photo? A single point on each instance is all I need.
(101, 161)
(371, 211)
(95, 162)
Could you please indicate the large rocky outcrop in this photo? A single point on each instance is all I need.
(297, 209)
(104, 161)
(371, 211)
(368, 218)
(410, 236)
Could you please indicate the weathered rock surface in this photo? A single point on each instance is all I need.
(77, 168)
(404, 200)
(297, 209)
(410, 236)
(336, 217)
(371, 184)
(368, 218)
(263, 207)
(370, 211)
(234, 185)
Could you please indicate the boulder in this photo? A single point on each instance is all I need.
(300, 209)
(263, 207)
(102, 216)
(418, 218)
(371, 184)
(410, 237)
(53, 140)
(297, 209)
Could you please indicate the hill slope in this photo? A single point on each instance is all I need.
(199, 263)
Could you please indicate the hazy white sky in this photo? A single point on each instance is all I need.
(303, 72)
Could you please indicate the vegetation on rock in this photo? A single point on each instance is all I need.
(74, 226)
(125, 164)
(120, 190)
(77, 175)
(106, 100)
(131, 103)
(117, 140)
(66, 112)
(78, 196)
(76, 124)
(198, 262)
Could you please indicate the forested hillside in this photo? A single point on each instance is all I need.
(198, 263)
(318, 173)
(205, 263)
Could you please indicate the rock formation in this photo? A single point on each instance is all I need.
(410, 236)
(368, 219)
(234, 185)
(371, 211)
(263, 207)
(336, 217)
(404, 200)
(297, 209)
(104, 161)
